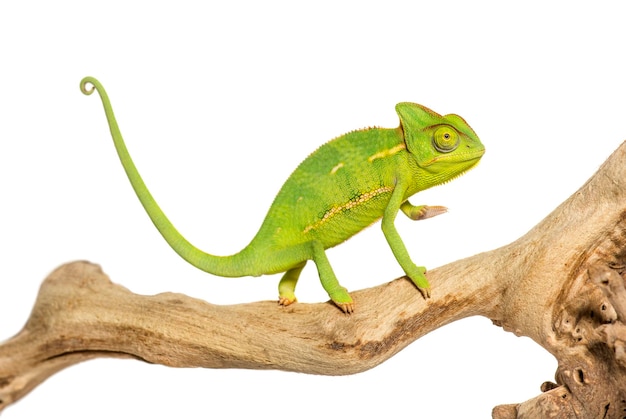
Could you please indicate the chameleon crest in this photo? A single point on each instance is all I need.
(344, 186)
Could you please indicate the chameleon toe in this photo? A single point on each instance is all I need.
(284, 301)
(347, 308)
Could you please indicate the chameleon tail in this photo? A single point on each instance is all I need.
(230, 266)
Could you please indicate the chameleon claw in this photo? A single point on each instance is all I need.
(342, 299)
(347, 308)
(428, 212)
(284, 301)
(419, 280)
(425, 292)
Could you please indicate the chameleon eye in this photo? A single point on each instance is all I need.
(445, 139)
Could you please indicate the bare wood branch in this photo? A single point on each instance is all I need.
(562, 284)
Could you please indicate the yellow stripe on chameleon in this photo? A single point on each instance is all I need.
(361, 199)
(334, 169)
(386, 153)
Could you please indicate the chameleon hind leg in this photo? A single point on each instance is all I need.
(287, 285)
(338, 294)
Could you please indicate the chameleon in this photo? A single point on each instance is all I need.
(340, 189)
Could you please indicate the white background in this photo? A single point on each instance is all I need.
(218, 104)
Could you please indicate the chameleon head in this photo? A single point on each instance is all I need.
(443, 146)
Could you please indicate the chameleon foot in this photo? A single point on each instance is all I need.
(420, 281)
(347, 308)
(428, 212)
(342, 299)
(285, 301)
(421, 212)
(287, 285)
(425, 292)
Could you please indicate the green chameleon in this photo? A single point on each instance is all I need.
(344, 186)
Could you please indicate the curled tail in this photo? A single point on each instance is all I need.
(231, 266)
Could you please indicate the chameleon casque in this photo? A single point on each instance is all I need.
(344, 186)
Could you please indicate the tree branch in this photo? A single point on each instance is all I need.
(562, 284)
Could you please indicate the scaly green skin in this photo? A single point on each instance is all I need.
(343, 187)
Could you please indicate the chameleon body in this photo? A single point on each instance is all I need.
(344, 186)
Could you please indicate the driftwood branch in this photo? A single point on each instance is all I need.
(562, 284)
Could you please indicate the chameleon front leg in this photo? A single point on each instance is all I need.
(421, 212)
(329, 281)
(416, 273)
(287, 285)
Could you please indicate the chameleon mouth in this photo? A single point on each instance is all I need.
(444, 169)
(470, 165)
(471, 158)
